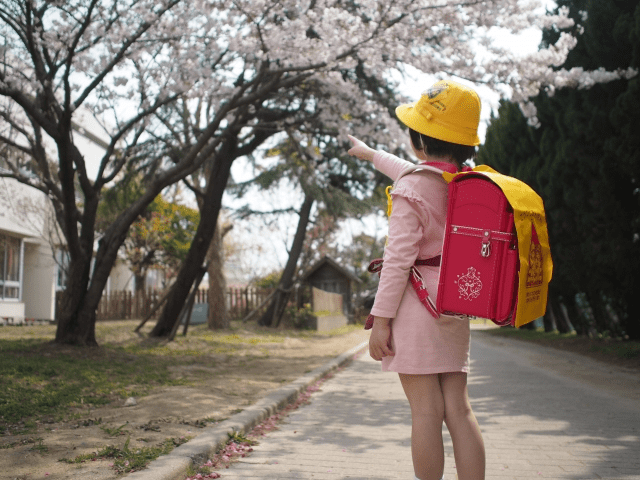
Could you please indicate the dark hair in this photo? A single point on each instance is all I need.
(440, 148)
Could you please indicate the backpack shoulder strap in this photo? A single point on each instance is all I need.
(406, 171)
(415, 168)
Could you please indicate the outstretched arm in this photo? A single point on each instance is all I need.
(388, 164)
(361, 149)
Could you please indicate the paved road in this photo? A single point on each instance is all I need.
(543, 413)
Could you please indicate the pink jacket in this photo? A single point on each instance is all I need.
(416, 230)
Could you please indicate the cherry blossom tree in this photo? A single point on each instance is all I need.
(61, 60)
(123, 60)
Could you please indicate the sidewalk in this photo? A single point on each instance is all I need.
(537, 418)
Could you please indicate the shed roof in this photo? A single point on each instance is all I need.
(327, 260)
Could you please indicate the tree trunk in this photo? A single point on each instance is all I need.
(218, 315)
(276, 308)
(548, 321)
(631, 322)
(139, 280)
(212, 203)
(558, 315)
(76, 325)
(77, 320)
(73, 329)
(579, 318)
(574, 316)
(85, 284)
(187, 310)
(594, 300)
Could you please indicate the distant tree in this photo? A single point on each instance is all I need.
(268, 281)
(357, 255)
(583, 160)
(319, 238)
(160, 237)
(173, 225)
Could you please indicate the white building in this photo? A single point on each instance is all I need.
(32, 262)
(28, 272)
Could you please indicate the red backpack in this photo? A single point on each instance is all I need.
(480, 261)
(479, 270)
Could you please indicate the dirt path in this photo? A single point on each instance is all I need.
(230, 383)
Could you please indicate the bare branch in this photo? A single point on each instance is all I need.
(100, 182)
(196, 191)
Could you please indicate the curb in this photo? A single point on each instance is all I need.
(199, 449)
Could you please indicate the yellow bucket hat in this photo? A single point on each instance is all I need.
(447, 111)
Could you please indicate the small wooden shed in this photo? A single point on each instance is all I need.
(330, 276)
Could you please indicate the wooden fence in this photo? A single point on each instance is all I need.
(124, 305)
(240, 301)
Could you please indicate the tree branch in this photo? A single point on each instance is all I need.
(100, 182)
(74, 44)
(120, 55)
(196, 191)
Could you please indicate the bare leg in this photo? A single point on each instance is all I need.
(468, 446)
(427, 414)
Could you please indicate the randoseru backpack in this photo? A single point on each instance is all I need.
(495, 261)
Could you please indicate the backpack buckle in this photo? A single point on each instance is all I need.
(485, 250)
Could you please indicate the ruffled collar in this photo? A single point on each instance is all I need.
(445, 166)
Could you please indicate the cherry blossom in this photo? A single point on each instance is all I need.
(314, 62)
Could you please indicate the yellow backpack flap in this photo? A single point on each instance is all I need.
(536, 267)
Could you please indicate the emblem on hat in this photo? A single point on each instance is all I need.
(435, 90)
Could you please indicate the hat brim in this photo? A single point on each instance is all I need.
(408, 115)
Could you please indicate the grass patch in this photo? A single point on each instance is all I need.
(623, 352)
(342, 330)
(114, 432)
(40, 447)
(202, 342)
(239, 437)
(627, 350)
(88, 422)
(41, 379)
(203, 422)
(193, 471)
(38, 378)
(80, 458)
(19, 443)
(125, 459)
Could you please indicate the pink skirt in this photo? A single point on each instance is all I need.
(423, 344)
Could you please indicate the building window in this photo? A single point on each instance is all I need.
(10, 267)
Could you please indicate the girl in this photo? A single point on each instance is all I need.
(431, 355)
